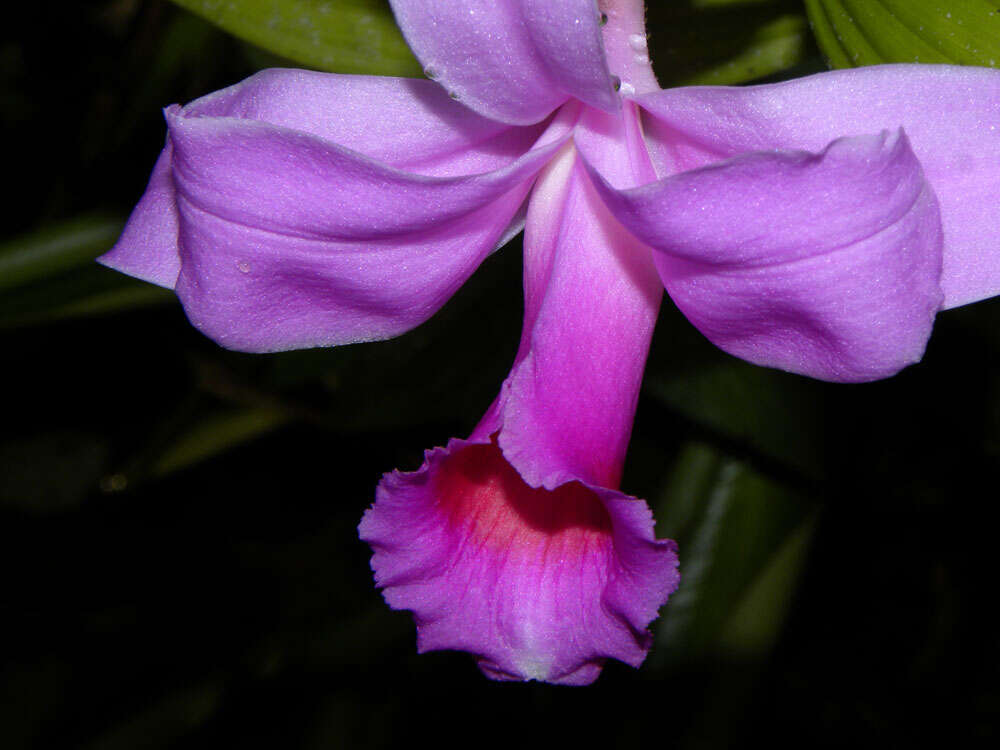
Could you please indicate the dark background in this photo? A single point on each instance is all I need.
(179, 558)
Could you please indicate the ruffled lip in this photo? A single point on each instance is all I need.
(537, 584)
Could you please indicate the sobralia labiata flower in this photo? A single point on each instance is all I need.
(816, 225)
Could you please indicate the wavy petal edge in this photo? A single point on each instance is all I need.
(562, 581)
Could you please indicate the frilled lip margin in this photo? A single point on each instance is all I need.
(537, 584)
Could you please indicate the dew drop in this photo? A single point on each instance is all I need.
(243, 266)
(637, 42)
(431, 72)
(453, 95)
(616, 82)
(627, 89)
(604, 19)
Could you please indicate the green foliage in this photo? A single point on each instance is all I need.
(213, 434)
(724, 42)
(696, 44)
(742, 538)
(50, 275)
(55, 249)
(869, 32)
(342, 36)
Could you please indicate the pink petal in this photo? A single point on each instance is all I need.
(537, 584)
(951, 116)
(289, 238)
(511, 60)
(407, 124)
(591, 300)
(825, 265)
(147, 248)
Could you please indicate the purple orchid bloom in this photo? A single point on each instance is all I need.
(816, 225)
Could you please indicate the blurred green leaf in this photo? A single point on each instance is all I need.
(724, 42)
(343, 36)
(190, 434)
(753, 626)
(215, 434)
(166, 721)
(742, 539)
(51, 275)
(870, 32)
(773, 414)
(83, 292)
(55, 249)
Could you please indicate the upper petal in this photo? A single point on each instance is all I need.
(405, 123)
(511, 60)
(951, 115)
(302, 209)
(823, 264)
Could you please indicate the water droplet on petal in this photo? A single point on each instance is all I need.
(604, 19)
(453, 95)
(637, 42)
(243, 266)
(616, 82)
(627, 89)
(431, 72)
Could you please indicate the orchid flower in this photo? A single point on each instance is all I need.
(816, 225)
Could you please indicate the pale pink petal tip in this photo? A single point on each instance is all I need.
(537, 584)
(148, 247)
